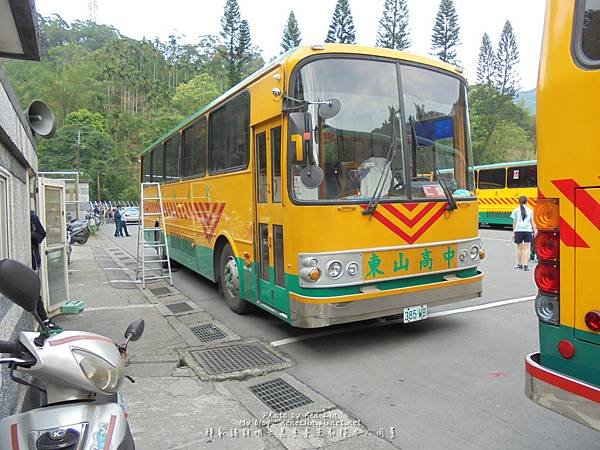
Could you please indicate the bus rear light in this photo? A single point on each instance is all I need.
(592, 320)
(547, 277)
(547, 245)
(566, 349)
(547, 308)
(547, 214)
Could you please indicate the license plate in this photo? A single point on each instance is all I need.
(414, 313)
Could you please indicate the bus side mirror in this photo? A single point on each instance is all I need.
(300, 127)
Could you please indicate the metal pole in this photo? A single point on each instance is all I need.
(77, 162)
(98, 185)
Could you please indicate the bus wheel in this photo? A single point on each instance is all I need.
(229, 282)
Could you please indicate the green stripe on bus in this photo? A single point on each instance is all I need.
(585, 364)
(495, 218)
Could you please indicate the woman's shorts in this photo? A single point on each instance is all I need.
(523, 236)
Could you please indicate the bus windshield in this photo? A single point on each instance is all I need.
(368, 147)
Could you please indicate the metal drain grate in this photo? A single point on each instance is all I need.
(279, 395)
(207, 332)
(181, 307)
(234, 357)
(161, 291)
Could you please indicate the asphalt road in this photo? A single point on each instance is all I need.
(454, 381)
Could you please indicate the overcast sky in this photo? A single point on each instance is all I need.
(192, 18)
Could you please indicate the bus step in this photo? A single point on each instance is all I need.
(152, 198)
(158, 277)
(157, 261)
(152, 214)
(154, 245)
(153, 229)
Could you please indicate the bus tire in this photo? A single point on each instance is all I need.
(229, 282)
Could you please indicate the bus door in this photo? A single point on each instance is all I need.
(269, 217)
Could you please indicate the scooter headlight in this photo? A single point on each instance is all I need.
(100, 372)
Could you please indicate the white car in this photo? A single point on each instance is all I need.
(131, 214)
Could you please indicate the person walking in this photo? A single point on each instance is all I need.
(117, 217)
(523, 232)
(124, 224)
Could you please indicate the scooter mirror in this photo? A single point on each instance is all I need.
(20, 284)
(134, 330)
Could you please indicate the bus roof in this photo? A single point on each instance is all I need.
(506, 164)
(294, 56)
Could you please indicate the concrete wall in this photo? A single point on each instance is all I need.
(18, 161)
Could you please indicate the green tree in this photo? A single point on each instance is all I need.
(243, 49)
(393, 26)
(199, 91)
(486, 63)
(491, 114)
(291, 33)
(507, 58)
(445, 37)
(341, 28)
(231, 23)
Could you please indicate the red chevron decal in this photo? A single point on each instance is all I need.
(583, 201)
(411, 239)
(409, 222)
(568, 235)
(209, 215)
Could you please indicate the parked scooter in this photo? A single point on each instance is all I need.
(80, 231)
(77, 373)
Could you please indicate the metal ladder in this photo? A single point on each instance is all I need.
(144, 264)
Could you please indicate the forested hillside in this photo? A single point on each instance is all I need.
(118, 94)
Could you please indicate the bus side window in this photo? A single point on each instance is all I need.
(172, 158)
(147, 167)
(157, 164)
(587, 39)
(193, 158)
(229, 135)
(522, 177)
(492, 178)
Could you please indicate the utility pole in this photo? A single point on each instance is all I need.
(77, 161)
(78, 150)
(98, 186)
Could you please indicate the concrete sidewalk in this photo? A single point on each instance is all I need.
(189, 393)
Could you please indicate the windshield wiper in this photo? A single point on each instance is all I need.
(451, 200)
(372, 206)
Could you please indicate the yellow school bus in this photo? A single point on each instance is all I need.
(565, 375)
(312, 189)
(499, 187)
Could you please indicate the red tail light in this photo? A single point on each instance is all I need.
(547, 277)
(566, 349)
(547, 245)
(592, 320)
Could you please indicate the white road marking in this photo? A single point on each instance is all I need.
(104, 308)
(384, 323)
(495, 239)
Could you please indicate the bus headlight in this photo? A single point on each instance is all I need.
(335, 269)
(547, 308)
(474, 253)
(352, 269)
(464, 255)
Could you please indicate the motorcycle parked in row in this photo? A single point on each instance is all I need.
(80, 231)
(76, 374)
